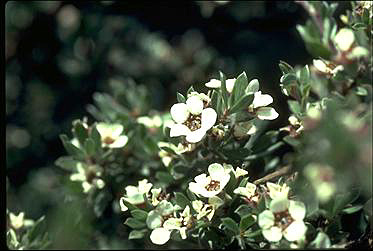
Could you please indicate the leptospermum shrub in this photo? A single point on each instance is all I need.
(208, 173)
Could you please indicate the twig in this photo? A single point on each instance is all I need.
(279, 172)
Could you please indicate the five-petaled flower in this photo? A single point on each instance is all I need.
(283, 219)
(111, 135)
(259, 106)
(209, 186)
(192, 119)
(135, 195)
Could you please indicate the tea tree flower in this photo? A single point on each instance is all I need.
(209, 186)
(214, 83)
(277, 191)
(157, 195)
(18, 221)
(89, 176)
(135, 195)
(322, 180)
(283, 219)
(327, 67)
(192, 119)
(150, 122)
(345, 42)
(111, 135)
(166, 156)
(259, 106)
(207, 209)
(249, 192)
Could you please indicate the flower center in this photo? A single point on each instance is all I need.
(193, 122)
(214, 185)
(283, 219)
(108, 140)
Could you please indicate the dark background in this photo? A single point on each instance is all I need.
(59, 53)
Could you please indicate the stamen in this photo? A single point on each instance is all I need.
(213, 186)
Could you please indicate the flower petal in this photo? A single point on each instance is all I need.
(208, 118)
(267, 113)
(160, 236)
(216, 171)
(213, 83)
(344, 39)
(266, 219)
(261, 99)
(119, 142)
(297, 210)
(229, 83)
(179, 130)
(195, 136)
(179, 112)
(194, 104)
(295, 231)
(279, 204)
(273, 234)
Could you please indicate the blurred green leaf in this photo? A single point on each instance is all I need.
(230, 224)
(137, 234)
(134, 223)
(242, 103)
(139, 214)
(180, 97)
(246, 222)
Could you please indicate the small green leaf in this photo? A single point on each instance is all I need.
(288, 79)
(359, 26)
(168, 149)
(351, 210)
(214, 100)
(304, 75)
(67, 163)
(79, 131)
(253, 86)
(180, 97)
(239, 87)
(223, 88)
(137, 234)
(89, 146)
(285, 67)
(37, 229)
(294, 106)
(243, 210)
(181, 200)
(242, 103)
(133, 223)
(246, 222)
(341, 200)
(230, 224)
(96, 137)
(164, 177)
(70, 148)
(190, 90)
(139, 214)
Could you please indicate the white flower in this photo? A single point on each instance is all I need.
(167, 157)
(18, 221)
(192, 119)
(229, 84)
(249, 191)
(284, 219)
(277, 191)
(237, 173)
(92, 171)
(259, 106)
(207, 209)
(327, 67)
(111, 135)
(322, 180)
(344, 39)
(135, 195)
(209, 186)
